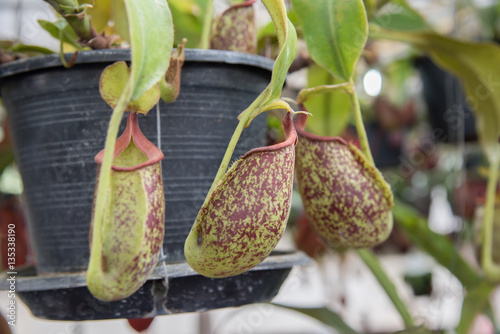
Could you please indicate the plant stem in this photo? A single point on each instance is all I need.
(103, 191)
(378, 32)
(244, 120)
(491, 270)
(324, 315)
(360, 127)
(207, 25)
(475, 302)
(230, 149)
(61, 50)
(373, 264)
(328, 119)
(348, 87)
(75, 15)
(441, 248)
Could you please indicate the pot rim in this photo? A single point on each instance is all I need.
(38, 282)
(113, 55)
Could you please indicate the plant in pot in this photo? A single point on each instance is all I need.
(60, 219)
(244, 213)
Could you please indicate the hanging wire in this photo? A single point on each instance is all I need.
(18, 20)
(163, 257)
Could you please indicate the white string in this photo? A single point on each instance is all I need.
(19, 26)
(163, 257)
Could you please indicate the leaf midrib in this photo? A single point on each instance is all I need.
(336, 45)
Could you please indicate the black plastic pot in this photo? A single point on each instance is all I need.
(179, 290)
(450, 116)
(59, 121)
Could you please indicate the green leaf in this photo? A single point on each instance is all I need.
(187, 24)
(398, 15)
(373, 263)
(61, 26)
(371, 7)
(268, 30)
(488, 234)
(104, 11)
(188, 20)
(335, 32)
(207, 25)
(112, 83)
(325, 315)
(185, 6)
(287, 40)
(151, 38)
(477, 66)
(202, 4)
(330, 111)
(119, 17)
(31, 48)
(476, 301)
(438, 246)
(488, 17)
